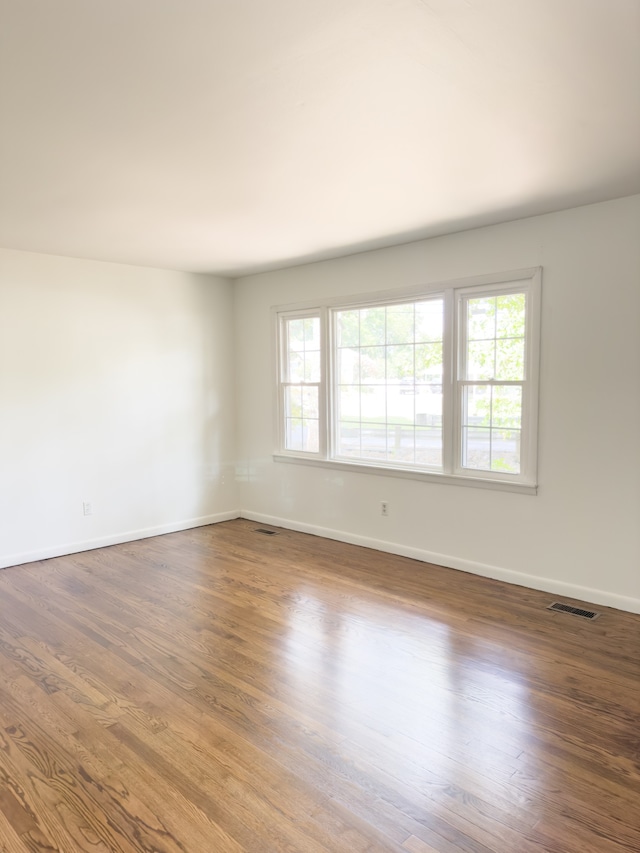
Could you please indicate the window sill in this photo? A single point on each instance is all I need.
(408, 474)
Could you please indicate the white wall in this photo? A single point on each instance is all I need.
(115, 388)
(580, 535)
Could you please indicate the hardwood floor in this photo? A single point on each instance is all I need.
(218, 690)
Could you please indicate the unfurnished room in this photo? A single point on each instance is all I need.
(319, 444)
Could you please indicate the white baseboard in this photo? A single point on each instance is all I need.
(573, 591)
(567, 590)
(113, 539)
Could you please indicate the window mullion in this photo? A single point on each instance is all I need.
(328, 384)
(449, 385)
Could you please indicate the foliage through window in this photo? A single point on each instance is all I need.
(493, 373)
(440, 381)
(389, 383)
(301, 383)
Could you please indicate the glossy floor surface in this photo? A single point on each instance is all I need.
(219, 690)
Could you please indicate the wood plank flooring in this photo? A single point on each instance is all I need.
(218, 690)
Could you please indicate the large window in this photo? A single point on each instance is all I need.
(438, 382)
(388, 384)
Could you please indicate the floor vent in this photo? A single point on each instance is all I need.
(265, 532)
(575, 611)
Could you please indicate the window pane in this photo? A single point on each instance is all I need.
(348, 328)
(310, 402)
(301, 405)
(293, 401)
(310, 435)
(401, 444)
(511, 315)
(476, 448)
(510, 359)
(348, 403)
(312, 333)
(312, 366)
(429, 320)
(429, 446)
(400, 321)
(294, 437)
(429, 362)
(372, 326)
(295, 371)
(373, 442)
(499, 409)
(348, 439)
(399, 363)
(373, 403)
(295, 335)
(505, 450)
(476, 406)
(506, 407)
(428, 405)
(372, 364)
(303, 349)
(481, 360)
(349, 366)
(495, 338)
(400, 403)
(481, 319)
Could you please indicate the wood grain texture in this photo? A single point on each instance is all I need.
(219, 691)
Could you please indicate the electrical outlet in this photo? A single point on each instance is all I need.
(384, 508)
(87, 508)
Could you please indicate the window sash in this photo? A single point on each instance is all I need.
(490, 465)
(386, 432)
(287, 384)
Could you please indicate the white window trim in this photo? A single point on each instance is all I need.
(529, 279)
(281, 318)
(529, 383)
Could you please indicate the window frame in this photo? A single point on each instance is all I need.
(528, 280)
(284, 382)
(529, 382)
(333, 311)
